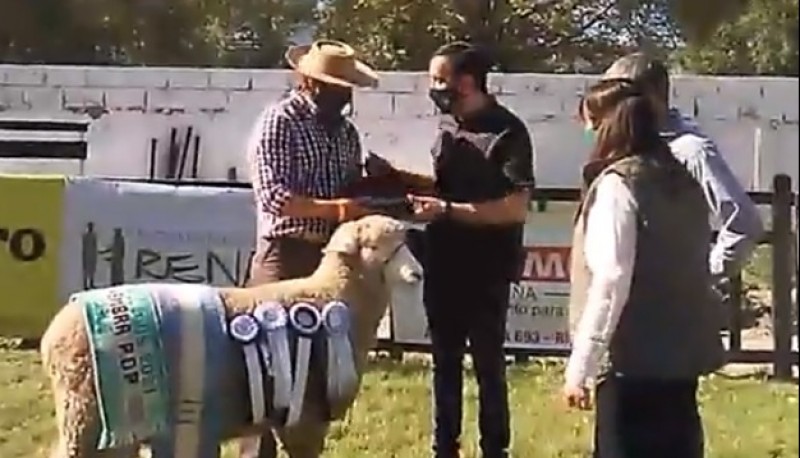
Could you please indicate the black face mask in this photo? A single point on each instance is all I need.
(444, 99)
(331, 105)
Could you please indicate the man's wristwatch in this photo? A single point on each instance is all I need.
(448, 208)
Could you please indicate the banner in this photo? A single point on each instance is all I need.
(121, 232)
(30, 236)
(118, 232)
(537, 316)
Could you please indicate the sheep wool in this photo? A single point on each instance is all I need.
(208, 394)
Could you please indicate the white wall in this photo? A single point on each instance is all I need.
(396, 119)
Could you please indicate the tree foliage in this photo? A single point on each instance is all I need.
(175, 32)
(727, 36)
(549, 35)
(762, 41)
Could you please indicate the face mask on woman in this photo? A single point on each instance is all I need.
(589, 134)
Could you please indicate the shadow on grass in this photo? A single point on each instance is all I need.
(420, 364)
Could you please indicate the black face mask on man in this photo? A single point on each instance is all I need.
(444, 99)
(331, 104)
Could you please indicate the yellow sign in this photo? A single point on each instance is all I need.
(30, 244)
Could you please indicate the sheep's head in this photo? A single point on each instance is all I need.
(379, 242)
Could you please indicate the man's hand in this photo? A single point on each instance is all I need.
(577, 397)
(427, 208)
(377, 166)
(350, 209)
(723, 288)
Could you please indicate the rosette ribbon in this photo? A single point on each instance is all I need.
(306, 320)
(342, 376)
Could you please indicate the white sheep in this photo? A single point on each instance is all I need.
(363, 261)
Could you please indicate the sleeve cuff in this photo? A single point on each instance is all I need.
(574, 374)
(274, 200)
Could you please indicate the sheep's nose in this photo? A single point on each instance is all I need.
(416, 276)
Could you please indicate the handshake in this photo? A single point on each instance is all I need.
(385, 191)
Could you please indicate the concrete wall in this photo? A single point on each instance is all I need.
(754, 119)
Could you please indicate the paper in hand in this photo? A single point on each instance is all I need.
(396, 207)
(376, 165)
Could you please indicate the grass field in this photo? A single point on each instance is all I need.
(744, 418)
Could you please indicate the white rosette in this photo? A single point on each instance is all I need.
(274, 319)
(245, 329)
(342, 375)
(306, 320)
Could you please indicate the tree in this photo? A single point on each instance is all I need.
(762, 41)
(696, 19)
(255, 33)
(749, 36)
(524, 35)
(178, 32)
(101, 31)
(541, 36)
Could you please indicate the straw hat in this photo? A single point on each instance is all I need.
(331, 62)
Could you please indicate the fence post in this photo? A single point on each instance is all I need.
(782, 275)
(796, 253)
(735, 317)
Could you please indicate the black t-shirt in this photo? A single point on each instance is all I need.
(484, 157)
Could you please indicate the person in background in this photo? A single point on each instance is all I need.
(644, 319)
(476, 206)
(735, 214)
(303, 152)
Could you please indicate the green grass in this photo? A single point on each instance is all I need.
(757, 273)
(744, 418)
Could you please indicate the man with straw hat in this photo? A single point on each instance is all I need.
(303, 152)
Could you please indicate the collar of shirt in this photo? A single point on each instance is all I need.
(474, 118)
(303, 104)
(677, 125)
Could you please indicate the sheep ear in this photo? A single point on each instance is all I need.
(344, 240)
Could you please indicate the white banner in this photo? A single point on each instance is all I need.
(116, 232)
(537, 316)
(120, 232)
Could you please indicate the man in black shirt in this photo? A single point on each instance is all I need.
(476, 207)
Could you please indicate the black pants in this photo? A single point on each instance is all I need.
(642, 418)
(458, 311)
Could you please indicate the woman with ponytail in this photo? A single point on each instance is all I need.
(644, 320)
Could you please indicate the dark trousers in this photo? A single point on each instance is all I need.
(458, 311)
(643, 418)
(276, 260)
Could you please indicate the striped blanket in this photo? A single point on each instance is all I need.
(155, 360)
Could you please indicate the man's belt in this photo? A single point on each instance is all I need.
(309, 237)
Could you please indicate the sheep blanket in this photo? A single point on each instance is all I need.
(154, 361)
(158, 353)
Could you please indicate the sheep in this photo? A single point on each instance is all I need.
(359, 267)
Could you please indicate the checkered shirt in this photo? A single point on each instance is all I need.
(291, 153)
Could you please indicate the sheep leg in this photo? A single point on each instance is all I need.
(78, 429)
(77, 419)
(305, 440)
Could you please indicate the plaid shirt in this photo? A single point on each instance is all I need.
(291, 153)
